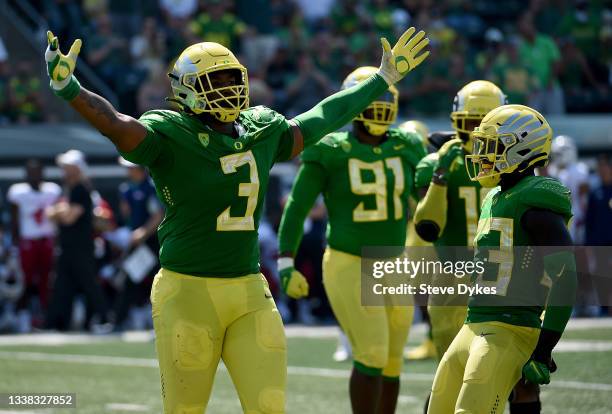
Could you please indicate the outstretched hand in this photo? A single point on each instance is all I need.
(402, 58)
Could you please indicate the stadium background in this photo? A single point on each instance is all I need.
(296, 52)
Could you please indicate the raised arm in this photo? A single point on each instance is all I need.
(340, 108)
(123, 130)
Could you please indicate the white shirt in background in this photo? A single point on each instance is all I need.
(33, 222)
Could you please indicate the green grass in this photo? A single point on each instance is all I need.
(96, 385)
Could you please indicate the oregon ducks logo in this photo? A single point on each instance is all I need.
(204, 139)
(402, 65)
(238, 145)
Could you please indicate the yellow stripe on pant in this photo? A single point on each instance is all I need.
(200, 320)
(377, 334)
(481, 367)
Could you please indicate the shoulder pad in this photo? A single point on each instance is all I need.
(328, 144)
(164, 121)
(547, 193)
(262, 115)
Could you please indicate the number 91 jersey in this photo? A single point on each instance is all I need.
(367, 188)
(512, 266)
(212, 186)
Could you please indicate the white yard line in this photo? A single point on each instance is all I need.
(292, 370)
(292, 331)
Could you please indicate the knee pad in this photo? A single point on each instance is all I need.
(193, 346)
(271, 401)
(269, 330)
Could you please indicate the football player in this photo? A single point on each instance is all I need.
(426, 350)
(448, 210)
(503, 337)
(210, 162)
(365, 177)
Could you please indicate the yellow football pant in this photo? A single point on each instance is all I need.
(446, 322)
(200, 320)
(480, 368)
(377, 333)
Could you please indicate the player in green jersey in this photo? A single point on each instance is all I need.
(365, 177)
(210, 162)
(447, 213)
(503, 337)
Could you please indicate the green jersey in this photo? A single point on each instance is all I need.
(517, 274)
(212, 186)
(365, 188)
(464, 198)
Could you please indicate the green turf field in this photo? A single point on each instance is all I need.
(111, 375)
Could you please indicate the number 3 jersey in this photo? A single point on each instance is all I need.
(365, 188)
(213, 187)
(513, 266)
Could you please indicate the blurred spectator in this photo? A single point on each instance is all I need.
(149, 46)
(278, 74)
(25, 95)
(512, 75)
(76, 262)
(33, 234)
(540, 52)
(260, 93)
(260, 41)
(154, 91)
(599, 210)
(218, 24)
(179, 9)
(64, 17)
(382, 18)
(582, 23)
(492, 52)
(95, 8)
(574, 175)
(142, 212)
(4, 80)
(580, 87)
(599, 232)
(315, 11)
(3, 52)
(107, 52)
(309, 87)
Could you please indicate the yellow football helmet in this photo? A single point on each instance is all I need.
(471, 104)
(416, 126)
(194, 89)
(510, 138)
(380, 114)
